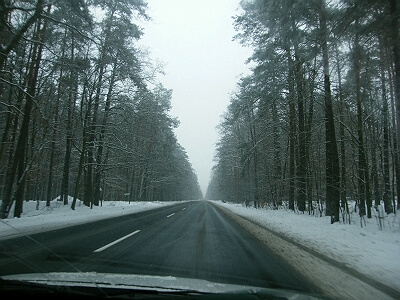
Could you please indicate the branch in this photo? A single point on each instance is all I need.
(17, 37)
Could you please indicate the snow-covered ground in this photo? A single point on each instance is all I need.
(372, 250)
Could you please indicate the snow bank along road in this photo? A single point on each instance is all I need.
(334, 278)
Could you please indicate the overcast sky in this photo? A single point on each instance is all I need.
(193, 38)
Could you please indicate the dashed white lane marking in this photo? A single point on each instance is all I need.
(170, 215)
(117, 241)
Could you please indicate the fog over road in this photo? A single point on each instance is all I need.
(192, 239)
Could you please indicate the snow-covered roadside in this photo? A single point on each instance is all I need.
(368, 250)
(58, 215)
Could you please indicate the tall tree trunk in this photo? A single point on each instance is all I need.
(10, 165)
(395, 157)
(84, 144)
(385, 153)
(101, 140)
(12, 120)
(308, 127)
(92, 145)
(72, 97)
(362, 162)
(20, 153)
(53, 139)
(253, 139)
(394, 10)
(302, 163)
(332, 155)
(277, 158)
(292, 131)
(343, 185)
(301, 171)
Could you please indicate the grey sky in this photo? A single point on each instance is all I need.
(193, 38)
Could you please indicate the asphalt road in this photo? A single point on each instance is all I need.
(191, 239)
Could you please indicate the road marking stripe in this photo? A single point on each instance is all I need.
(170, 215)
(117, 241)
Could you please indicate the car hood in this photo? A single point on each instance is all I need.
(148, 282)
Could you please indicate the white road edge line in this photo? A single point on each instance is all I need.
(170, 215)
(117, 241)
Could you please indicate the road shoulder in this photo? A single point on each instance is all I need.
(334, 278)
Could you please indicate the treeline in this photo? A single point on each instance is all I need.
(81, 111)
(316, 122)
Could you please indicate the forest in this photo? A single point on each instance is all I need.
(315, 124)
(82, 113)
